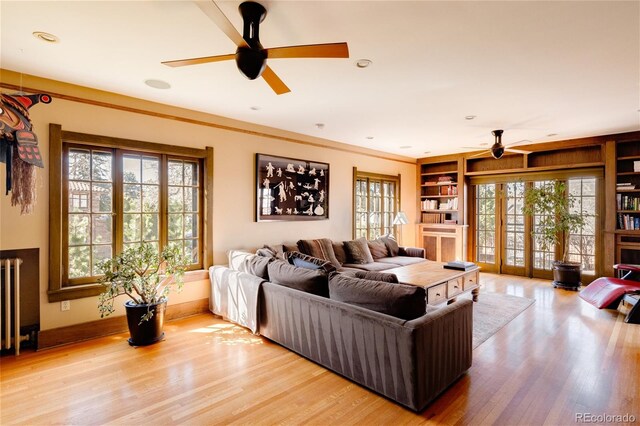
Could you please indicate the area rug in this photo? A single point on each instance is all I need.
(493, 311)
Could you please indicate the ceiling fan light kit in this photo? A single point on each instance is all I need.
(250, 56)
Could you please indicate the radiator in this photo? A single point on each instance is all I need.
(11, 287)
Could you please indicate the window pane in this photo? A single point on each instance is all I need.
(100, 253)
(190, 174)
(101, 229)
(101, 198)
(175, 173)
(79, 259)
(132, 227)
(131, 169)
(150, 227)
(150, 198)
(175, 226)
(150, 170)
(176, 201)
(79, 229)
(101, 167)
(79, 164)
(132, 195)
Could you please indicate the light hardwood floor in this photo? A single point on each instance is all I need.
(558, 358)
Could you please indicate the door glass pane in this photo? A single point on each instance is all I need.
(542, 259)
(514, 222)
(485, 222)
(582, 244)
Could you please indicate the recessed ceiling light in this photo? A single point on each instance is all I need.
(469, 117)
(552, 134)
(49, 38)
(427, 152)
(255, 108)
(363, 63)
(405, 147)
(484, 144)
(320, 125)
(157, 84)
(369, 137)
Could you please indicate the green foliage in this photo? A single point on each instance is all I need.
(556, 220)
(143, 274)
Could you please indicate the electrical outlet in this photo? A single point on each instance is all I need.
(65, 305)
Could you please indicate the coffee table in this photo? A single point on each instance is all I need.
(441, 285)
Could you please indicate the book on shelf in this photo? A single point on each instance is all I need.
(459, 265)
(431, 218)
(627, 202)
(636, 166)
(445, 179)
(628, 222)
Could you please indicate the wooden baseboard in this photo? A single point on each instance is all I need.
(112, 325)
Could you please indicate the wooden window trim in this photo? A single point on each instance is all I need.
(58, 291)
(357, 174)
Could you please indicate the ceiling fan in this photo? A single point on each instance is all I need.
(251, 57)
(497, 150)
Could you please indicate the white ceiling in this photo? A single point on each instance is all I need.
(531, 68)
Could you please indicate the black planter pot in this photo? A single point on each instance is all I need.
(567, 275)
(145, 332)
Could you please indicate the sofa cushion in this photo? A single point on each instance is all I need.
(378, 249)
(243, 261)
(373, 266)
(302, 260)
(321, 248)
(391, 244)
(398, 300)
(358, 251)
(276, 249)
(313, 281)
(377, 276)
(400, 260)
(340, 253)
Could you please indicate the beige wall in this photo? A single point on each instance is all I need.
(234, 225)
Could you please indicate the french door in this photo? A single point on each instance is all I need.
(504, 239)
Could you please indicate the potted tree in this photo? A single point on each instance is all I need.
(557, 220)
(146, 277)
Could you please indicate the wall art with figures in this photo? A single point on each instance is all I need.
(291, 189)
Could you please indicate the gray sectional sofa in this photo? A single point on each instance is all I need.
(410, 360)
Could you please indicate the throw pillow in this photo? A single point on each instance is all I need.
(307, 280)
(338, 250)
(392, 245)
(256, 265)
(399, 300)
(358, 251)
(321, 248)
(266, 252)
(378, 249)
(305, 261)
(377, 276)
(277, 249)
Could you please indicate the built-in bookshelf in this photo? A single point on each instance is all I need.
(628, 186)
(440, 192)
(627, 191)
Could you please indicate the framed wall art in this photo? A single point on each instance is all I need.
(291, 189)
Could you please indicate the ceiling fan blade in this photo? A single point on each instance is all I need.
(518, 142)
(211, 9)
(480, 154)
(328, 50)
(274, 81)
(517, 151)
(196, 61)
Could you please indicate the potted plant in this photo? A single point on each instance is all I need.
(146, 277)
(557, 220)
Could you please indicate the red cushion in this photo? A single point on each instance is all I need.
(607, 292)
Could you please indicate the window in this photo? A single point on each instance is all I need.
(542, 259)
(113, 197)
(376, 201)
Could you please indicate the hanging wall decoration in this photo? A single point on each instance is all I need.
(291, 189)
(19, 148)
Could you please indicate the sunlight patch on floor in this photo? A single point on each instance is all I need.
(229, 334)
